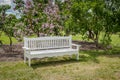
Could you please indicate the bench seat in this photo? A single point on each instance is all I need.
(52, 51)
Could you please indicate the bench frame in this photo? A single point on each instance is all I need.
(28, 49)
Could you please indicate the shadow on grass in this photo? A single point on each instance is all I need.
(56, 61)
(91, 55)
(115, 52)
(53, 62)
(85, 56)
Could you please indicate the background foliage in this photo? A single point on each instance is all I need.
(41, 17)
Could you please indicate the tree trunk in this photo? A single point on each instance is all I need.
(38, 35)
(10, 39)
(1, 40)
(96, 40)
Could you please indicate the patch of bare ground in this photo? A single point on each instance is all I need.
(88, 45)
(118, 75)
(11, 53)
(15, 53)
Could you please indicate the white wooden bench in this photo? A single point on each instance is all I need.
(48, 47)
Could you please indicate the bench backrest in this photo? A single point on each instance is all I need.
(48, 42)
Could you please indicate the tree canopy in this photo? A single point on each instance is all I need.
(89, 18)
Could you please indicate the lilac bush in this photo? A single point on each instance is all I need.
(39, 17)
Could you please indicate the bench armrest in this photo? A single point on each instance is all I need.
(25, 48)
(76, 46)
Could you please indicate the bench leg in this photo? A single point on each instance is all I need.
(24, 59)
(29, 61)
(77, 56)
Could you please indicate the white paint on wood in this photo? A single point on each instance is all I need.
(48, 46)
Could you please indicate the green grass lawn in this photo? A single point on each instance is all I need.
(5, 39)
(91, 66)
(115, 39)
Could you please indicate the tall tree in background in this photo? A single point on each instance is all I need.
(53, 18)
(90, 18)
(39, 16)
(65, 16)
(87, 18)
(9, 27)
(3, 9)
(32, 15)
(8, 23)
(111, 19)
